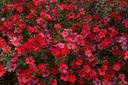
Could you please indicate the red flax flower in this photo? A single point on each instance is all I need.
(126, 54)
(57, 26)
(64, 76)
(126, 24)
(79, 61)
(45, 73)
(56, 52)
(54, 82)
(116, 67)
(87, 68)
(30, 60)
(72, 78)
(64, 51)
(20, 50)
(96, 16)
(41, 67)
(53, 70)
(106, 42)
(2, 71)
(63, 67)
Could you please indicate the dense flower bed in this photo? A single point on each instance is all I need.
(63, 42)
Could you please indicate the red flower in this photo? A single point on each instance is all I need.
(106, 42)
(63, 67)
(72, 78)
(46, 15)
(29, 5)
(2, 71)
(93, 74)
(56, 52)
(126, 24)
(37, 2)
(20, 50)
(81, 11)
(57, 26)
(118, 17)
(79, 61)
(30, 60)
(45, 73)
(40, 83)
(54, 82)
(101, 71)
(113, 14)
(81, 73)
(43, 42)
(36, 46)
(88, 53)
(64, 76)
(2, 43)
(81, 81)
(64, 51)
(29, 16)
(41, 67)
(96, 16)
(40, 21)
(54, 70)
(116, 67)
(126, 54)
(87, 68)
(19, 8)
(107, 77)
(122, 76)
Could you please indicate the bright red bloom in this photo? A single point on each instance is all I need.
(96, 16)
(93, 74)
(41, 67)
(64, 51)
(88, 53)
(107, 77)
(116, 67)
(106, 42)
(40, 21)
(87, 68)
(126, 54)
(82, 11)
(72, 78)
(81, 73)
(37, 2)
(19, 8)
(2, 71)
(122, 76)
(64, 76)
(63, 67)
(57, 26)
(126, 24)
(53, 82)
(79, 61)
(89, 1)
(54, 70)
(81, 81)
(20, 50)
(56, 52)
(45, 73)
(46, 15)
(2, 43)
(29, 4)
(30, 60)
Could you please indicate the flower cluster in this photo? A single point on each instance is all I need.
(64, 42)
